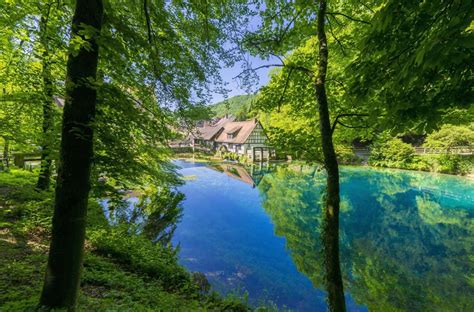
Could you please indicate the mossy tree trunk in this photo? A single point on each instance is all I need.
(73, 182)
(45, 171)
(333, 276)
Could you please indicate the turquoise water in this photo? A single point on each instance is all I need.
(407, 239)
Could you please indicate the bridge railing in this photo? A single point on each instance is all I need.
(457, 150)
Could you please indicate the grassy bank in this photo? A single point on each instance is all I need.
(122, 271)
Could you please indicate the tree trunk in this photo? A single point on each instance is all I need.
(73, 182)
(6, 148)
(45, 171)
(333, 276)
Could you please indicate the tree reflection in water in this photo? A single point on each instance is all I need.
(406, 241)
(154, 214)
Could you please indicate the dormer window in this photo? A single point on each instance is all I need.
(232, 133)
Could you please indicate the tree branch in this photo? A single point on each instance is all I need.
(290, 66)
(148, 21)
(335, 38)
(366, 6)
(337, 121)
(284, 89)
(349, 17)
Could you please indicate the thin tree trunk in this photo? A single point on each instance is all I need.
(6, 148)
(73, 182)
(333, 276)
(45, 171)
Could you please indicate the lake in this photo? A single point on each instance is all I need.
(406, 238)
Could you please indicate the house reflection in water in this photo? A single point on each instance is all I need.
(251, 174)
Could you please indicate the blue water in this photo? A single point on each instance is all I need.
(406, 238)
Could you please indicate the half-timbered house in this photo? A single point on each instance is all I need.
(240, 137)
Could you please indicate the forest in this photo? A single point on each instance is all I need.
(93, 93)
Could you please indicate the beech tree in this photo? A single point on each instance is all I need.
(295, 34)
(156, 64)
(73, 183)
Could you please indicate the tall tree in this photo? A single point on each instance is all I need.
(47, 99)
(331, 227)
(72, 187)
(156, 64)
(290, 28)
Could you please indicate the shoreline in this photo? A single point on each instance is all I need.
(214, 159)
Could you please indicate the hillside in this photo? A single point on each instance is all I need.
(238, 106)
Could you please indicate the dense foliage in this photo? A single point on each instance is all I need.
(449, 136)
(418, 66)
(392, 153)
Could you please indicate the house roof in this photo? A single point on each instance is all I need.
(246, 128)
(218, 132)
(208, 132)
(233, 129)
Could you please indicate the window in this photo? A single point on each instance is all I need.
(230, 135)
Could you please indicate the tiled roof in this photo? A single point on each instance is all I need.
(208, 132)
(219, 131)
(246, 128)
(233, 130)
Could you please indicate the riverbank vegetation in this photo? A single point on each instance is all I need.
(123, 268)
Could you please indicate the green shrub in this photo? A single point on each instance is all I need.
(141, 255)
(244, 159)
(450, 136)
(445, 138)
(421, 163)
(454, 164)
(392, 153)
(346, 156)
(396, 154)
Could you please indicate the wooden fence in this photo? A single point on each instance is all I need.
(456, 150)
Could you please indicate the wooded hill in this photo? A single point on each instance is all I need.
(238, 106)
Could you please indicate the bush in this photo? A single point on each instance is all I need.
(392, 153)
(421, 163)
(450, 136)
(454, 164)
(396, 154)
(140, 255)
(446, 137)
(346, 156)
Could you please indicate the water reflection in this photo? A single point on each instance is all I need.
(153, 213)
(250, 174)
(406, 238)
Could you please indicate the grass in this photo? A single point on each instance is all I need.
(122, 271)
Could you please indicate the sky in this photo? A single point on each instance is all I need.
(234, 86)
(228, 74)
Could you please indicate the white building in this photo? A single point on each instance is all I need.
(240, 137)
